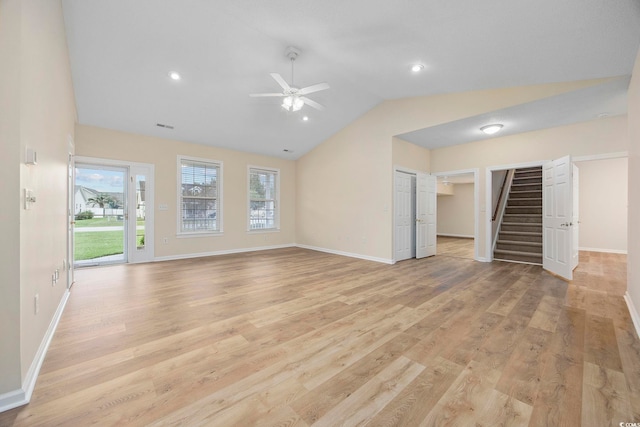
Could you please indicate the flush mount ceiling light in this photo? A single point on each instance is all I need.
(416, 68)
(491, 129)
(174, 75)
(305, 118)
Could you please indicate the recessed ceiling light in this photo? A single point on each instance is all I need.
(174, 75)
(491, 129)
(417, 68)
(305, 118)
(286, 150)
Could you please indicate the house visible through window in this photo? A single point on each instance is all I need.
(200, 191)
(263, 199)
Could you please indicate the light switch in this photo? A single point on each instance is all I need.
(163, 207)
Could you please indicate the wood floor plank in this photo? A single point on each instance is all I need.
(600, 345)
(605, 397)
(296, 337)
(521, 376)
(359, 407)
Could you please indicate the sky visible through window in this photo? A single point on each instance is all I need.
(101, 180)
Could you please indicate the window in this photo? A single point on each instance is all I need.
(200, 196)
(263, 199)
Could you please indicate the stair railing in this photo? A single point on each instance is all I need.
(501, 204)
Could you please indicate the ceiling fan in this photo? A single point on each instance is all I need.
(294, 98)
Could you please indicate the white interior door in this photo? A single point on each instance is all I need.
(557, 201)
(575, 222)
(425, 215)
(403, 216)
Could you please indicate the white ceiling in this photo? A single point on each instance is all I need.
(122, 51)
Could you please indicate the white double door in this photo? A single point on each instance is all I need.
(414, 215)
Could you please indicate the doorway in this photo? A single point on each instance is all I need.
(414, 218)
(101, 215)
(456, 213)
(112, 212)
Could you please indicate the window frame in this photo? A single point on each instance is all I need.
(219, 211)
(276, 213)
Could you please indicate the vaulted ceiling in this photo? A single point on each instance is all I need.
(122, 52)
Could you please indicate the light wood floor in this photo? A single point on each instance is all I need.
(294, 337)
(455, 246)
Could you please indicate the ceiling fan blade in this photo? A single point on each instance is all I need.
(278, 78)
(312, 103)
(256, 95)
(314, 88)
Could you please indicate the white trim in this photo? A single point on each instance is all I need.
(463, 236)
(277, 199)
(476, 204)
(606, 156)
(483, 259)
(488, 207)
(219, 209)
(348, 254)
(606, 251)
(22, 396)
(635, 318)
(225, 252)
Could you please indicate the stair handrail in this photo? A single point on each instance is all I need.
(501, 206)
(504, 184)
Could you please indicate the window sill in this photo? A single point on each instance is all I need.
(203, 234)
(263, 231)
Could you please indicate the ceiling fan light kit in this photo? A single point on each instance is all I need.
(294, 98)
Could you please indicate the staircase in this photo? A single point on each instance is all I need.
(520, 235)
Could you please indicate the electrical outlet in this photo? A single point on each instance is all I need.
(36, 303)
(165, 240)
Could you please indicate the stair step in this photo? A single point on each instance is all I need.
(530, 186)
(505, 255)
(523, 210)
(520, 236)
(524, 201)
(527, 180)
(517, 246)
(530, 227)
(527, 194)
(529, 168)
(522, 218)
(528, 174)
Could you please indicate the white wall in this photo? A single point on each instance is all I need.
(456, 215)
(582, 139)
(38, 111)
(10, 29)
(114, 145)
(603, 205)
(351, 174)
(633, 259)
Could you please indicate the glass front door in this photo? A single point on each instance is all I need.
(101, 215)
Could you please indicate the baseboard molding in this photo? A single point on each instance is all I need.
(463, 236)
(606, 251)
(22, 396)
(348, 254)
(225, 252)
(635, 317)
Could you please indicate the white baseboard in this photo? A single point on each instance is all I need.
(607, 251)
(349, 254)
(22, 396)
(225, 252)
(633, 312)
(463, 236)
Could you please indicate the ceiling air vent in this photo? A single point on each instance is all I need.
(164, 126)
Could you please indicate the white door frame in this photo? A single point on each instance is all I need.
(71, 185)
(149, 201)
(488, 203)
(476, 204)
